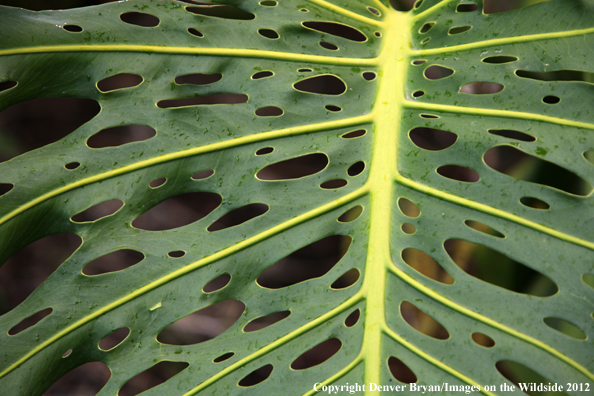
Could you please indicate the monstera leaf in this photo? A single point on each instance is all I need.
(366, 197)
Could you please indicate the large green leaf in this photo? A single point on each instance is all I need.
(528, 285)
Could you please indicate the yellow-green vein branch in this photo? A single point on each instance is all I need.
(480, 318)
(432, 9)
(497, 113)
(338, 375)
(425, 356)
(229, 52)
(347, 13)
(187, 153)
(191, 267)
(503, 41)
(281, 341)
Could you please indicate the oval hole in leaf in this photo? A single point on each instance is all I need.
(72, 165)
(428, 116)
(417, 4)
(495, 268)
(418, 94)
(198, 78)
(402, 5)
(265, 321)
(408, 208)
(336, 29)
(459, 29)
(294, 168)
(481, 88)
(332, 108)
(223, 357)
(29, 322)
(178, 211)
(67, 353)
(426, 265)
(565, 327)
(422, 322)
(215, 99)
(317, 355)
(56, 117)
(485, 229)
(72, 28)
(114, 339)
(203, 174)
(369, 76)
(268, 33)
(265, 150)
(112, 262)
(518, 373)
(120, 135)
(408, 228)
(157, 182)
(551, 99)
(239, 216)
(353, 318)
(557, 75)
(497, 6)
(333, 184)
(588, 280)
(512, 134)
(328, 46)
(29, 267)
(459, 173)
(221, 11)
(466, 7)
(483, 340)
(309, 262)
(202, 325)
(401, 371)
(256, 376)
(269, 111)
(195, 32)
(374, 11)
(499, 59)
(268, 3)
(432, 139)
(4, 85)
(5, 187)
(176, 254)
(513, 162)
(140, 19)
(262, 74)
(119, 81)
(152, 377)
(419, 62)
(426, 40)
(217, 283)
(351, 214)
(534, 203)
(356, 168)
(426, 27)
(90, 377)
(324, 84)
(98, 211)
(436, 72)
(354, 134)
(347, 279)
(305, 70)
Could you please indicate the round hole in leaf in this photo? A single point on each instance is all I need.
(140, 19)
(401, 371)
(353, 318)
(317, 355)
(176, 254)
(551, 99)
(265, 150)
(333, 184)
(195, 32)
(369, 76)
(377, 34)
(73, 28)
(72, 165)
(347, 279)
(356, 168)
(483, 340)
(157, 182)
(114, 339)
(354, 134)
(328, 46)
(408, 228)
(268, 33)
(351, 214)
(408, 208)
(223, 357)
(459, 173)
(256, 376)
(418, 94)
(217, 283)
